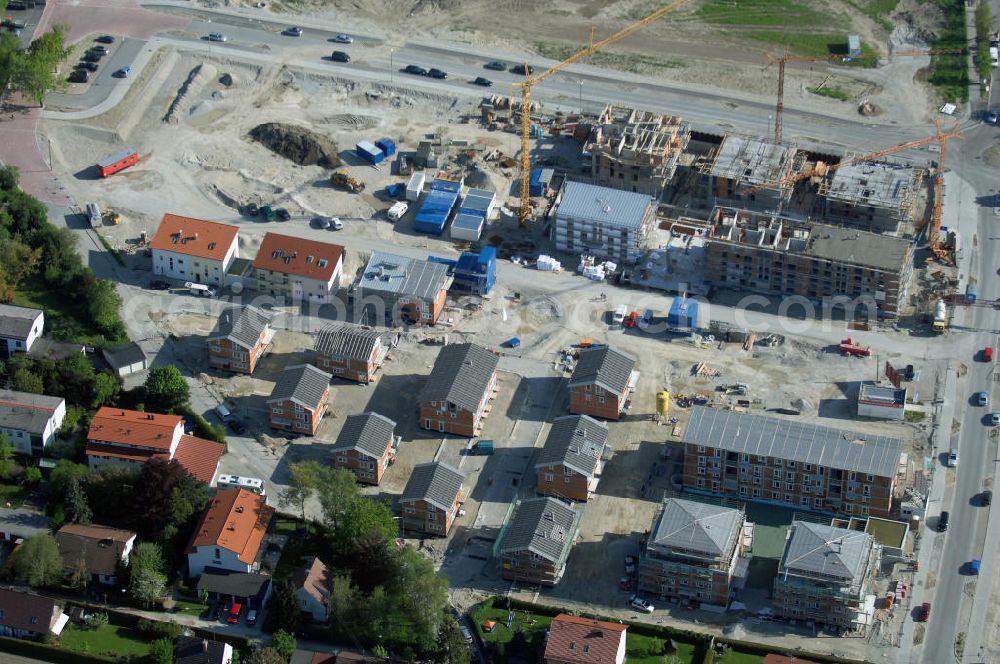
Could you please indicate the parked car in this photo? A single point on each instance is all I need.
(953, 458)
(943, 520)
(103, 50)
(924, 612)
(987, 354)
(294, 31)
(321, 222)
(89, 66)
(123, 72)
(986, 498)
(216, 37)
(283, 214)
(106, 39)
(524, 70)
(92, 57)
(335, 224)
(991, 117)
(159, 284)
(344, 39)
(79, 76)
(496, 65)
(485, 82)
(215, 611)
(237, 427)
(251, 617)
(983, 399)
(233, 616)
(437, 73)
(340, 56)
(640, 604)
(415, 70)
(251, 210)
(466, 632)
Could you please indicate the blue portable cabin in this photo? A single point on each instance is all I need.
(535, 183)
(450, 262)
(440, 200)
(683, 316)
(476, 273)
(369, 152)
(387, 146)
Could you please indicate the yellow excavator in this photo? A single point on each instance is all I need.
(345, 181)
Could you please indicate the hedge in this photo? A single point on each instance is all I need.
(48, 653)
(762, 649)
(202, 428)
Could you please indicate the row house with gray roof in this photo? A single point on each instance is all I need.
(694, 553)
(431, 498)
(20, 328)
(456, 396)
(825, 574)
(240, 338)
(792, 463)
(298, 401)
(351, 352)
(572, 461)
(536, 540)
(31, 421)
(602, 383)
(366, 446)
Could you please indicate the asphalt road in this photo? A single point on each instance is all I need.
(102, 82)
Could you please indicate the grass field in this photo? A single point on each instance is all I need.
(777, 13)
(12, 495)
(105, 640)
(635, 63)
(831, 91)
(731, 656)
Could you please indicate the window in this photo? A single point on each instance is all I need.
(218, 553)
(791, 464)
(701, 461)
(567, 479)
(409, 509)
(701, 449)
(432, 515)
(548, 477)
(701, 471)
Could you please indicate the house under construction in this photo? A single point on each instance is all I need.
(636, 150)
(743, 162)
(875, 196)
(755, 251)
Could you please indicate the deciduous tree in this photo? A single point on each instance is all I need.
(284, 644)
(166, 388)
(37, 561)
(149, 580)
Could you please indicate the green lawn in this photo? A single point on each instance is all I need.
(296, 548)
(12, 495)
(731, 656)
(532, 625)
(107, 640)
(189, 608)
(808, 43)
(649, 650)
(777, 13)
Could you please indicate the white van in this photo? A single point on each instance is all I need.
(251, 484)
(94, 215)
(397, 211)
(995, 56)
(199, 289)
(619, 315)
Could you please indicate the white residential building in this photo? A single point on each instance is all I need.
(30, 421)
(194, 250)
(604, 222)
(231, 533)
(19, 328)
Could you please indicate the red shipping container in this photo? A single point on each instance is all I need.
(117, 162)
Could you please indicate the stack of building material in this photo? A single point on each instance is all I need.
(548, 264)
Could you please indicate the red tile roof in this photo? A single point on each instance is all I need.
(298, 256)
(199, 457)
(194, 237)
(237, 521)
(132, 427)
(583, 640)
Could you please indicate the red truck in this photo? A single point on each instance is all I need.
(117, 162)
(851, 347)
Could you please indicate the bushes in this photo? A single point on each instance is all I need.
(155, 629)
(202, 427)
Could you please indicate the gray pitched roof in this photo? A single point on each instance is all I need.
(195, 650)
(124, 355)
(543, 526)
(368, 433)
(826, 553)
(239, 584)
(241, 325)
(346, 340)
(460, 376)
(304, 384)
(404, 276)
(574, 441)
(605, 366)
(25, 411)
(686, 526)
(16, 322)
(436, 482)
(801, 442)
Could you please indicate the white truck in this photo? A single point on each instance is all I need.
(397, 210)
(200, 290)
(94, 215)
(618, 317)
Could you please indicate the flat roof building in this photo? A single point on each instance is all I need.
(883, 402)
(743, 162)
(875, 196)
(395, 288)
(605, 222)
(767, 253)
(636, 150)
(769, 459)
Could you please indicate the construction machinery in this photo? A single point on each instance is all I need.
(940, 323)
(111, 218)
(530, 81)
(343, 180)
(782, 60)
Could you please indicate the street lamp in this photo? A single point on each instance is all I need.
(581, 96)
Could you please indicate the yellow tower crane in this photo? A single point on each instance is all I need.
(530, 81)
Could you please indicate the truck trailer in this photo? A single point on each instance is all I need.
(117, 162)
(940, 323)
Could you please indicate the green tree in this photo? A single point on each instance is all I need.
(149, 580)
(985, 26)
(6, 455)
(451, 646)
(166, 388)
(76, 507)
(284, 644)
(364, 517)
(302, 483)
(17, 262)
(283, 612)
(104, 306)
(107, 387)
(32, 475)
(161, 651)
(24, 380)
(37, 561)
(337, 491)
(10, 61)
(35, 75)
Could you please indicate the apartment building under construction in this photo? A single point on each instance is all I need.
(743, 163)
(874, 196)
(767, 253)
(637, 150)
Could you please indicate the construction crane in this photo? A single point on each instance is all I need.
(934, 232)
(530, 81)
(821, 168)
(785, 58)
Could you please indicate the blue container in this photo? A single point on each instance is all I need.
(970, 293)
(392, 190)
(369, 152)
(683, 315)
(535, 184)
(387, 146)
(436, 208)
